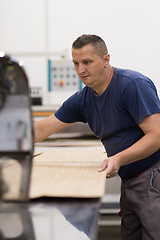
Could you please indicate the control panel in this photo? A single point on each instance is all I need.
(62, 76)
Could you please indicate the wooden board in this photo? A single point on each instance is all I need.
(68, 172)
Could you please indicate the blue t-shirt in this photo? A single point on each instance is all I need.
(115, 115)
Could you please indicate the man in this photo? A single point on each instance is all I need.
(122, 108)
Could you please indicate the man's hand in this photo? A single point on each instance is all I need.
(111, 165)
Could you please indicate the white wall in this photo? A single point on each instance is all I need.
(34, 29)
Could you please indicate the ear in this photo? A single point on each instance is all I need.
(106, 59)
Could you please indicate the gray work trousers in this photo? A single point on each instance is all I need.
(140, 206)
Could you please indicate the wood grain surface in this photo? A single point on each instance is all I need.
(68, 172)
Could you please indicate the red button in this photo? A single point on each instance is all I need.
(61, 83)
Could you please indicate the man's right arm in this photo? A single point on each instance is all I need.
(47, 126)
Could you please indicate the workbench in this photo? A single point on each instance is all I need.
(65, 197)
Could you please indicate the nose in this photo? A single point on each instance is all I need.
(81, 68)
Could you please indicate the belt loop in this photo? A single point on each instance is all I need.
(151, 179)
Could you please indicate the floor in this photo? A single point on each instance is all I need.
(109, 233)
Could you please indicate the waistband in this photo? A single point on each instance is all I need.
(153, 168)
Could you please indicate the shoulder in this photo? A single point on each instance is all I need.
(78, 99)
(128, 74)
(128, 78)
(84, 92)
(83, 95)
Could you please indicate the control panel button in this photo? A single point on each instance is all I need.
(61, 83)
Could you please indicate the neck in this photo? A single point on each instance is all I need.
(109, 73)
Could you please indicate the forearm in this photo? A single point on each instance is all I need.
(39, 131)
(46, 127)
(143, 148)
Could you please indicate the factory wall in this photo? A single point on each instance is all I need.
(38, 30)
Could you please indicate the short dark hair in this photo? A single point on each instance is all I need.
(97, 42)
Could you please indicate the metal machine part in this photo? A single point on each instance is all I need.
(50, 219)
(16, 133)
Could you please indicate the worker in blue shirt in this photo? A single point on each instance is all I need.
(122, 109)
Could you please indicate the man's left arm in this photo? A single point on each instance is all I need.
(146, 146)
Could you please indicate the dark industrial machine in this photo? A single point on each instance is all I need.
(16, 133)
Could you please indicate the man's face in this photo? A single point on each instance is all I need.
(89, 66)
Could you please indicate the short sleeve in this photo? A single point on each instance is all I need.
(141, 99)
(71, 110)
